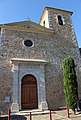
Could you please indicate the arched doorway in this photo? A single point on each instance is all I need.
(29, 92)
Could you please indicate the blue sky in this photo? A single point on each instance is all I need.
(20, 10)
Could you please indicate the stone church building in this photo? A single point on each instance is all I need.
(31, 56)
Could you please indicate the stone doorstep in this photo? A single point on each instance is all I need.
(33, 112)
(27, 112)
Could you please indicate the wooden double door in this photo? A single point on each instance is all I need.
(29, 99)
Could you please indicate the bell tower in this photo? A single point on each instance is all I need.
(60, 22)
(53, 18)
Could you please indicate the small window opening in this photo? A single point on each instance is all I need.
(44, 23)
(60, 20)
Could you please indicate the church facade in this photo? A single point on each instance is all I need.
(31, 56)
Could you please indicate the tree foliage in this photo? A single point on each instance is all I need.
(70, 82)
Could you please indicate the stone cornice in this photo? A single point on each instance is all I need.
(60, 10)
(28, 61)
(27, 29)
(28, 23)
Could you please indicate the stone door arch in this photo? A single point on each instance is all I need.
(29, 97)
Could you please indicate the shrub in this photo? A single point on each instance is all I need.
(70, 82)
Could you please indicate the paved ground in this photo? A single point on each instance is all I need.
(56, 115)
(77, 116)
(44, 115)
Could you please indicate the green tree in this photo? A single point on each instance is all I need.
(70, 82)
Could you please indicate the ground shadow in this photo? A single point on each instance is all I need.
(14, 117)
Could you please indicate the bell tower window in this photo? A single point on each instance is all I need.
(60, 20)
(44, 23)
